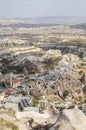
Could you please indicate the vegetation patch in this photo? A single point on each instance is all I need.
(35, 101)
(49, 63)
(65, 93)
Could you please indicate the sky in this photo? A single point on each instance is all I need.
(41, 8)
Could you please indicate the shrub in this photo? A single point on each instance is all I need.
(48, 63)
(65, 93)
(35, 101)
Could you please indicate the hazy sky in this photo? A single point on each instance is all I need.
(42, 8)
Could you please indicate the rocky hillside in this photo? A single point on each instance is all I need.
(72, 119)
(18, 39)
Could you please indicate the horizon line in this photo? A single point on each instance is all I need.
(43, 17)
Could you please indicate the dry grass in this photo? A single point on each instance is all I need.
(54, 98)
(82, 67)
(10, 112)
(7, 125)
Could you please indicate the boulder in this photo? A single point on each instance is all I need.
(74, 119)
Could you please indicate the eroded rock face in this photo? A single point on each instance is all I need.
(83, 79)
(30, 67)
(37, 121)
(69, 83)
(69, 119)
(76, 117)
(70, 60)
(67, 78)
(66, 72)
(84, 90)
(63, 125)
(53, 53)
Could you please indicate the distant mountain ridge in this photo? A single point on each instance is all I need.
(46, 20)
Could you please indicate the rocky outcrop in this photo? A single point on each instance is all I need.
(76, 118)
(53, 53)
(72, 119)
(69, 119)
(84, 90)
(70, 60)
(30, 67)
(37, 121)
(83, 79)
(77, 48)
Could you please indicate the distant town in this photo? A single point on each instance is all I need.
(42, 75)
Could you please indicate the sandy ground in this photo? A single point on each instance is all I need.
(21, 125)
